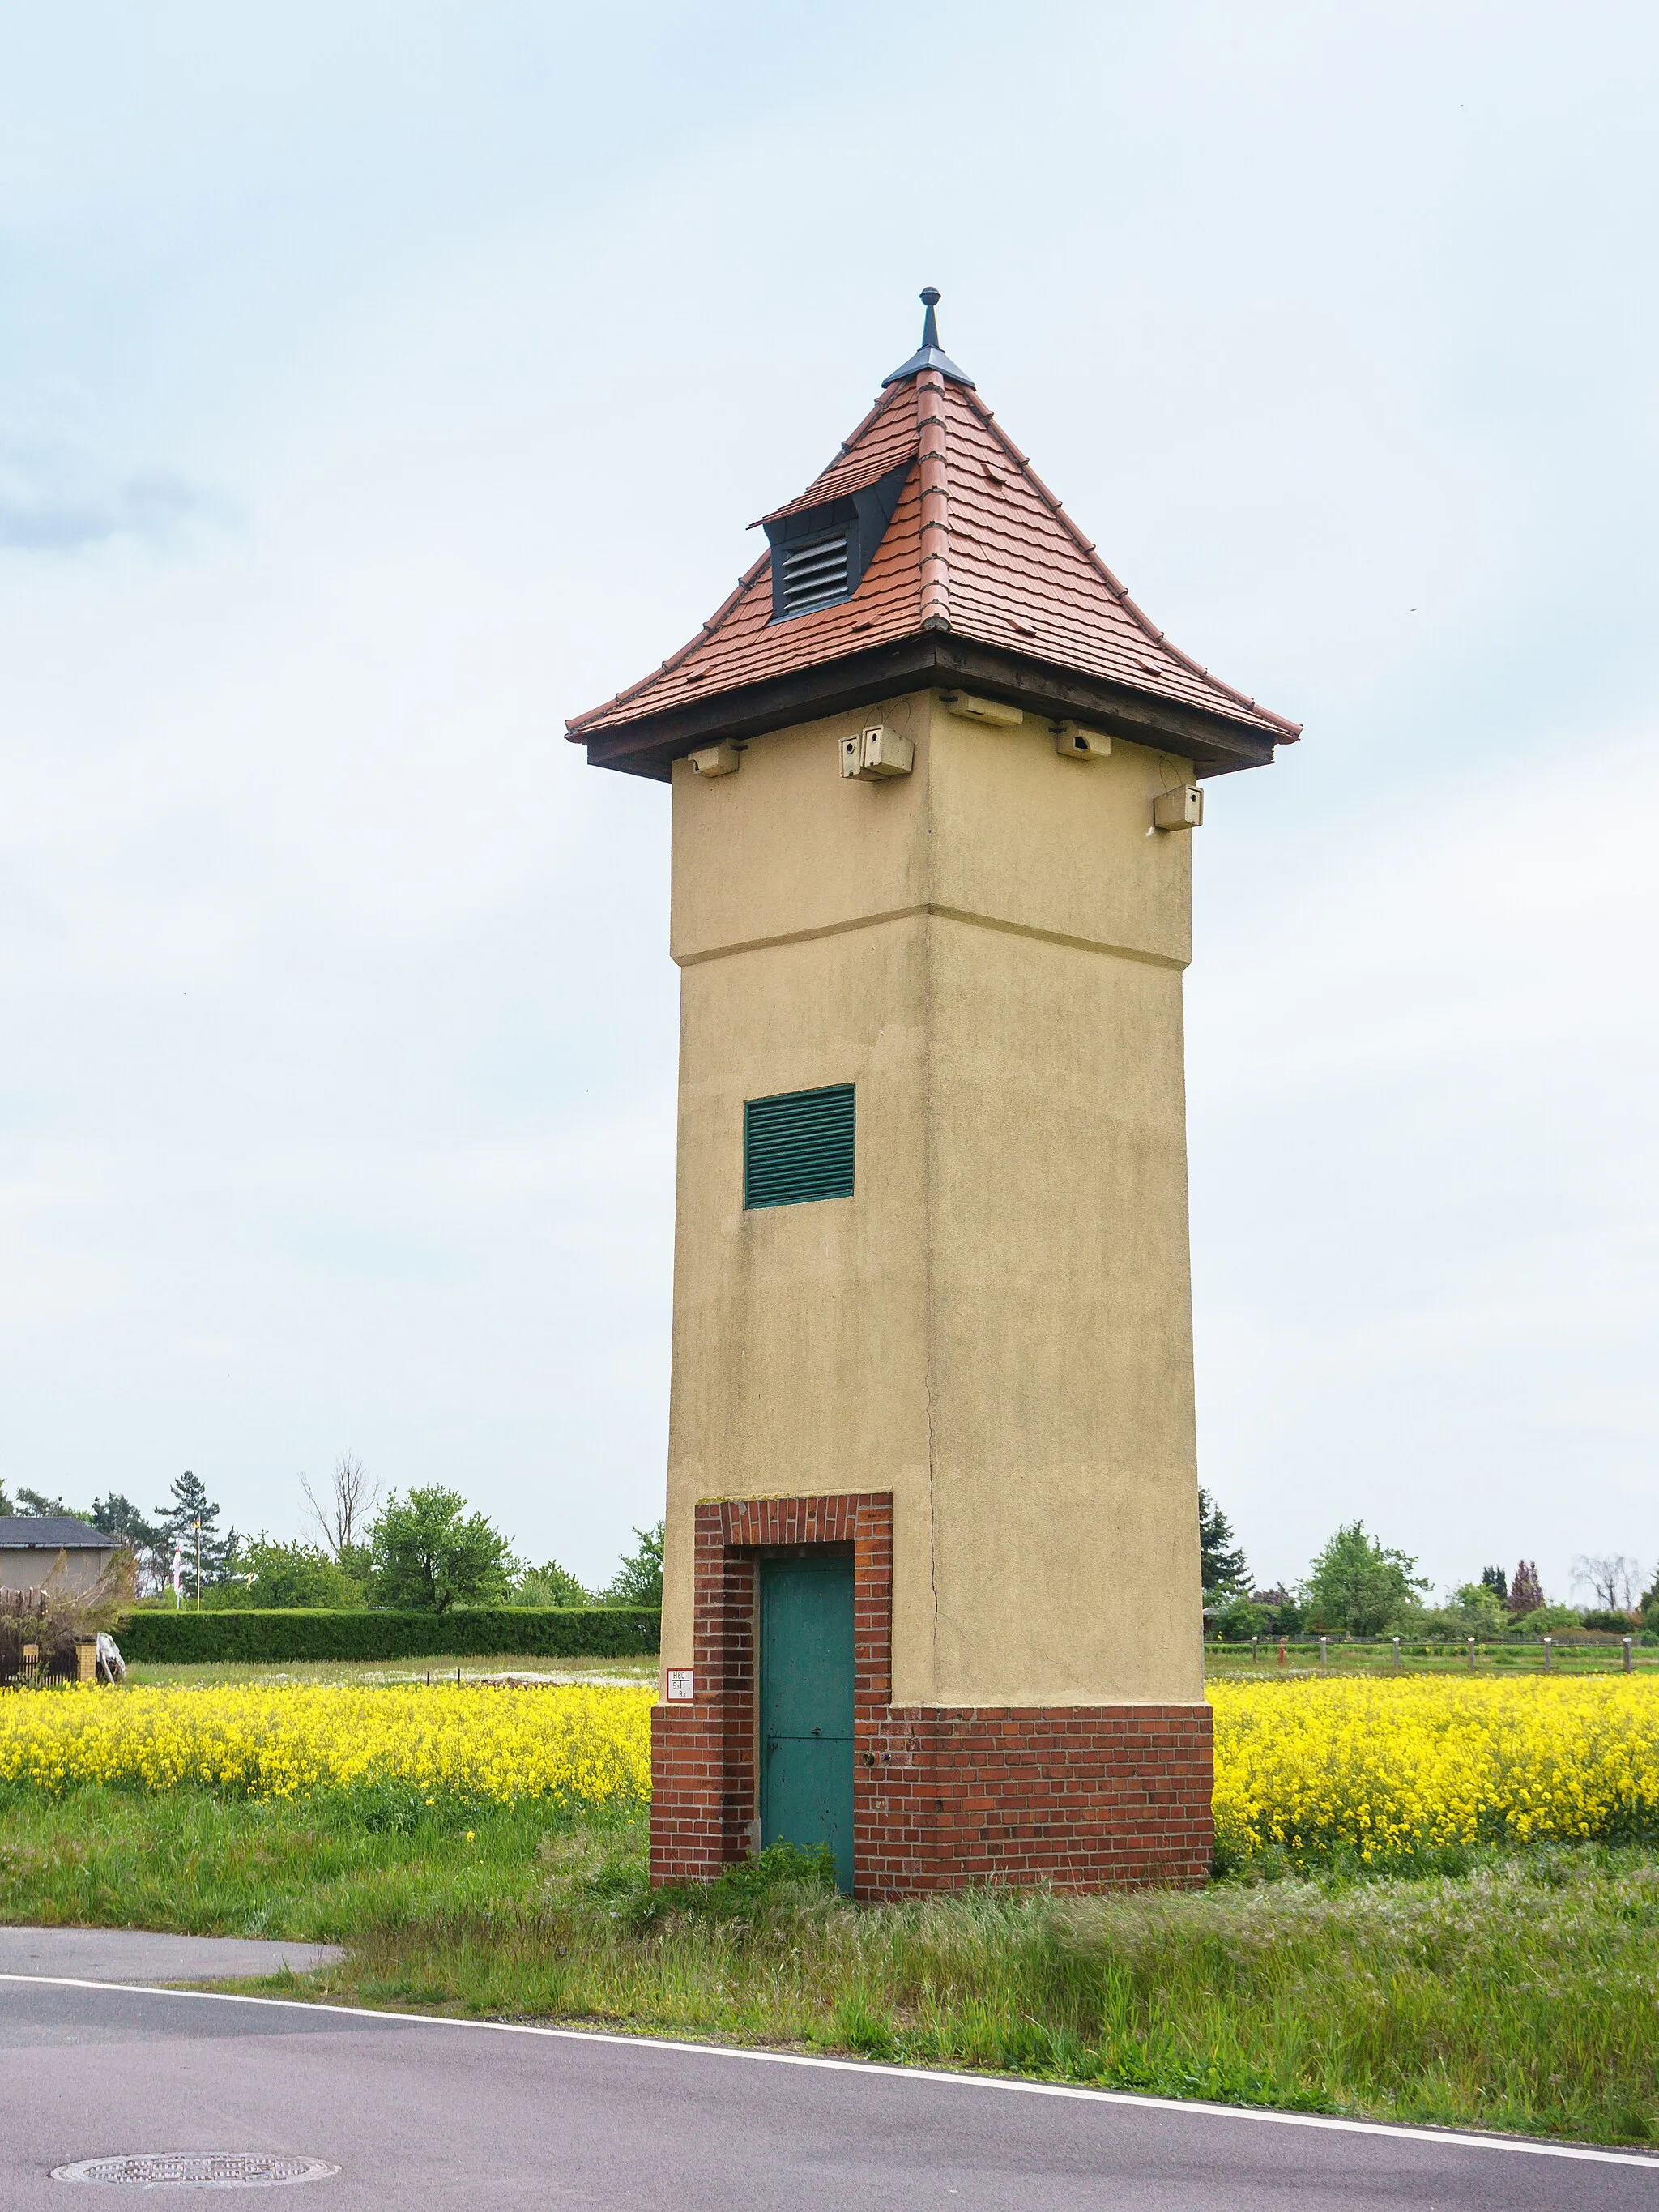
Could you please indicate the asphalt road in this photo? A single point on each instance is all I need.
(436, 2114)
(137, 1954)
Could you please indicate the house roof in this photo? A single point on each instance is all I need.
(981, 578)
(49, 1531)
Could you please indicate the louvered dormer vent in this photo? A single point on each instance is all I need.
(821, 546)
(815, 574)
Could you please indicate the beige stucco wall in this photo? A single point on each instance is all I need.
(997, 1326)
(30, 1566)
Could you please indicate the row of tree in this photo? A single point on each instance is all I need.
(425, 1551)
(1357, 1586)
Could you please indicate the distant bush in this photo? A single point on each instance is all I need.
(1239, 1618)
(1546, 1620)
(477, 1632)
(288, 1576)
(550, 1584)
(1616, 1624)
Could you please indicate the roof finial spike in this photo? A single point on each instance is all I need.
(930, 354)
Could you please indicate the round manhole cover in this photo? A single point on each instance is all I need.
(197, 2169)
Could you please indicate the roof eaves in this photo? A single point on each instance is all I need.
(594, 717)
(575, 724)
(1119, 591)
(646, 744)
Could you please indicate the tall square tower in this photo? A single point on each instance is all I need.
(931, 1589)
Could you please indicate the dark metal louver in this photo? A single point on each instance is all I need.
(815, 574)
(798, 1146)
(819, 554)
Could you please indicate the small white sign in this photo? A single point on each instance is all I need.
(682, 1685)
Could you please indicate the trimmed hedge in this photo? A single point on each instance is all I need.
(474, 1631)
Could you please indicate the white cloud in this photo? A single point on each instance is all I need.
(337, 1097)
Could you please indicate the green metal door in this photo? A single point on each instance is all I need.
(806, 1706)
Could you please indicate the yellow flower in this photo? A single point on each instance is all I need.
(1386, 1767)
(581, 1741)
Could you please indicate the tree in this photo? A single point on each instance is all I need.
(342, 1518)
(429, 1554)
(638, 1578)
(192, 1512)
(1494, 1579)
(1358, 1585)
(550, 1584)
(1480, 1610)
(295, 1575)
(1238, 1618)
(118, 1518)
(1612, 1580)
(1525, 1591)
(1283, 1611)
(35, 1501)
(1221, 1563)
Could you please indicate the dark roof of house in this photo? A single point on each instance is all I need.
(981, 578)
(49, 1531)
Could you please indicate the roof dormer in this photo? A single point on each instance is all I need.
(822, 543)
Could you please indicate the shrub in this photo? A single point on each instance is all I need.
(477, 1632)
(549, 1584)
(295, 1575)
(638, 1580)
(1240, 1619)
(1546, 1620)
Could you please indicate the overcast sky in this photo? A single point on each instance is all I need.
(380, 384)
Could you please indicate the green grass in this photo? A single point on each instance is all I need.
(212, 1673)
(1517, 1991)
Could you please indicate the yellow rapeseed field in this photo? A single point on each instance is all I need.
(576, 1741)
(1387, 1768)
(1381, 1767)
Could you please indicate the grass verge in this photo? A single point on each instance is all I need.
(209, 1674)
(1514, 1990)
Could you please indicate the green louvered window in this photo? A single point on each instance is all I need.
(797, 1147)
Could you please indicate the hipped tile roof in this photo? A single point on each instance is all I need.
(978, 546)
(49, 1531)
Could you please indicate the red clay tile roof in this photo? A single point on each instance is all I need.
(978, 546)
(838, 481)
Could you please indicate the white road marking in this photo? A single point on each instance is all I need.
(1447, 2138)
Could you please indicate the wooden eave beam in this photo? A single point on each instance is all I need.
(936, 660)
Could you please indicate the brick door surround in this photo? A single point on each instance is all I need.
(1082, 1797)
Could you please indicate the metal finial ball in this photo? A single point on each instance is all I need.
(930, 295)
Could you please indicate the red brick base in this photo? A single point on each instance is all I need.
(1085, 1797)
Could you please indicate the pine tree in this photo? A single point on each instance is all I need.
(1494, 1579)
(1221, 1561)
(192, 1509)
(37, 1502)
(119, 1517)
